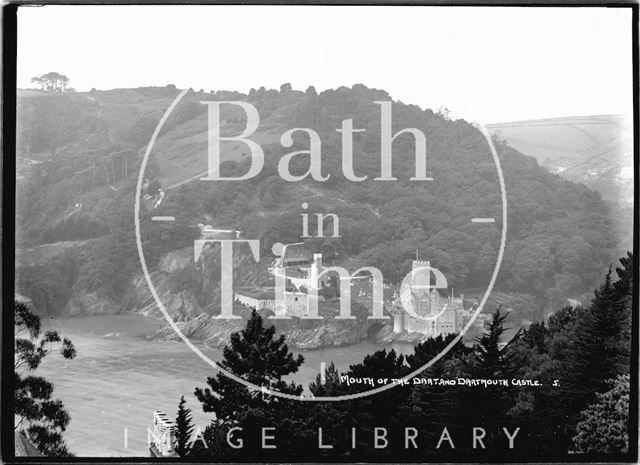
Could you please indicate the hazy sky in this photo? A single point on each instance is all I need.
(485, 64)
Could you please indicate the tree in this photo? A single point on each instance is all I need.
(41, 418)
(365, 413)
(184, 429)
(434, 406)
(425, 351)
(601, 346)
(51, 81)
(574, 355)
(490, 359)
(604, 425)
(285, 88)
(540, 353)
(39, 81)
(256, 356)
(623, 288)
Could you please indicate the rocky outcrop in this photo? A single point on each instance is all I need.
(176, 260)
(180, 301)
(387, 336)
(299, 333)
(202, 328)
(190, 295)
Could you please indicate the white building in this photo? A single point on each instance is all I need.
(209, 232)
(435, 313)
(294, 302)
(161, 437)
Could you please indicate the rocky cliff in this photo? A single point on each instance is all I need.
(190, 294)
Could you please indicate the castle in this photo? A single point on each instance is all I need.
(420, 307)
(300, 270)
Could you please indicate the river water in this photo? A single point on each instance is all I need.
(119, 378)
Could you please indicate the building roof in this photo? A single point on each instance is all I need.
(296, 252)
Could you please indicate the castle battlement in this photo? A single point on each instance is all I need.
(433, 312)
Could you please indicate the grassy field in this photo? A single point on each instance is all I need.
(593, 150)
(549, 139)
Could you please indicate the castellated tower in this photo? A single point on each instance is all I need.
(315, 270)
(422, 286)
(436, 312)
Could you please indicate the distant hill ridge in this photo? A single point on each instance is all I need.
(584, 119)
(90, 145)
(594, 150)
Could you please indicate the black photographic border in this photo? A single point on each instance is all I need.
(8, 167)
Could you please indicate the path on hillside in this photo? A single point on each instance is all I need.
(192, 178)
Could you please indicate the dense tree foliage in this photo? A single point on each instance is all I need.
(42, 418)
(260, 358)
(541, 397)
(558, 243)
(257, 357)
(558, 231)
(81, 153)
(604, 425)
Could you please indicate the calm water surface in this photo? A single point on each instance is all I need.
(118, 379)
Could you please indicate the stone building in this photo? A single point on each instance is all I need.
(258, 298)
(294, 288)
(296, 254)
(434, 312)
(295, 302)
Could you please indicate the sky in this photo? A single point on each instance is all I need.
(483, 64)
